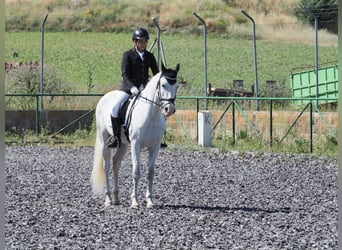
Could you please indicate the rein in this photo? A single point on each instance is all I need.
(172, 100)
(148, 100)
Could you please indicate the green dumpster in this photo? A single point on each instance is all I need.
(303, 84)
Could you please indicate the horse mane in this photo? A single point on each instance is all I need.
(153, 81)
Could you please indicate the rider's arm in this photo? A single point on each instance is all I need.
(125, 72)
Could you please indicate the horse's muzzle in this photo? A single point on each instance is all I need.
(169, 109)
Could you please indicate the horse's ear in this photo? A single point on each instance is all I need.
(163, 67)
(177, 67)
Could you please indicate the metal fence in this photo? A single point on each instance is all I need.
(230, 104)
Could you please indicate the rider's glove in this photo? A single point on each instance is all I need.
(141, 88)
(134, 90)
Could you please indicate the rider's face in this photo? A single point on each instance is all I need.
(141, 44)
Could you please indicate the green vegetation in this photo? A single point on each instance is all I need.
(91, 61)
(27, 81)
(244, 142)
(123, 15)
(325, 11)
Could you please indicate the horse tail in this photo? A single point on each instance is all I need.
(98, 175)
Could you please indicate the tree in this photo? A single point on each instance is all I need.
(325, 10)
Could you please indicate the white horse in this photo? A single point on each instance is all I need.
(145, 121)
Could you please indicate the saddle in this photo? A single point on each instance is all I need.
(123, 114)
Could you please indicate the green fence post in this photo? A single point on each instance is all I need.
(197, 110)
(233, 114)
(310, 126)
(271, 124)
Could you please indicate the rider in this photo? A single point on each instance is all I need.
(134, 69)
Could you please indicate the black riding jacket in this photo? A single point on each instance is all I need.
(134, 70)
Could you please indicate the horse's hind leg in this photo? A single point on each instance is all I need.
(116, 168)
(106, 157)
(117, 158)
(135, 151)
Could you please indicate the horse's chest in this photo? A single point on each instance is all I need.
(150, 129)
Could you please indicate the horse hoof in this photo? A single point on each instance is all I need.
(107, 204)
(149, 205)
(135, 205)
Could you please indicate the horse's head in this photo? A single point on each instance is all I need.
(168, 86)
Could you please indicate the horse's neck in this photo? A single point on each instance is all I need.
(148, 104)
(150, 91)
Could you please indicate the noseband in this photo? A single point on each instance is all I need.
(171, 81)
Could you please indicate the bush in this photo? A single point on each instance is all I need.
(26, 80)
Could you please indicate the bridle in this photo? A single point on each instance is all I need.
(171, 81)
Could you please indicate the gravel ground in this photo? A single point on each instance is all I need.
(204, 200)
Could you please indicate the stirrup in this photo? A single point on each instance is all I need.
(112, 142)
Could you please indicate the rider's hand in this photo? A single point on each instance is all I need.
(134, 90)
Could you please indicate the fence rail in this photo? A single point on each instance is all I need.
(232, 104)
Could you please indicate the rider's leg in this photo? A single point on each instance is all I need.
(115, 140)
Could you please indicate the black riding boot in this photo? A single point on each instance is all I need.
(115, 140)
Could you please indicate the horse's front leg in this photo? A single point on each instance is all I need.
(135, 151)
(150, 175)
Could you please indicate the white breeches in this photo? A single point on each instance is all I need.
(120, 98)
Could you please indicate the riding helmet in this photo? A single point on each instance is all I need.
(139, 34)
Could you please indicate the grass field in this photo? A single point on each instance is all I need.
(75, 54)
